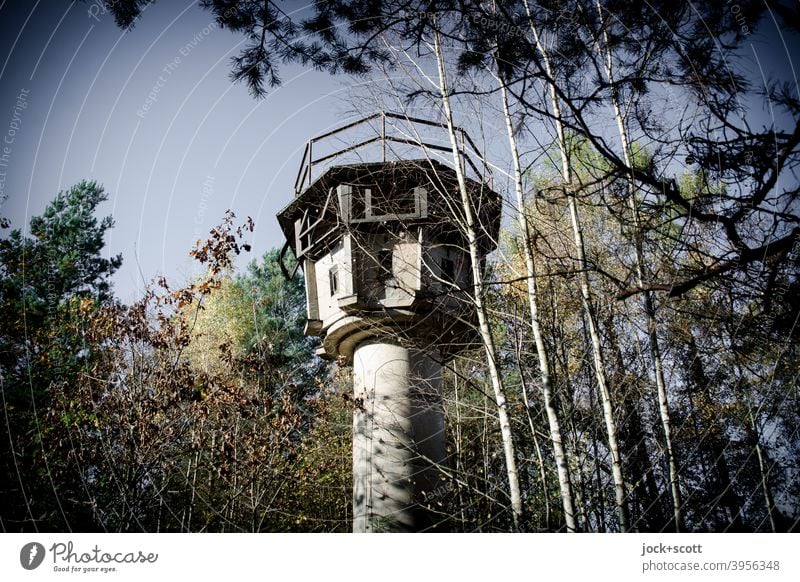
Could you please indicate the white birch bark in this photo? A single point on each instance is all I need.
(559, 454)
(586, 297)
(478, 293)
(649, 309)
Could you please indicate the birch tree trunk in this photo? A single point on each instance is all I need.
(586, 297)
(478, 294)
(769, 502)
(559, 454)
(649, 308)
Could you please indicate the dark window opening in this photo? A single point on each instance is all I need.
(380, 205)
(375, 204)
(358, 205)
(333, 280)
(401, 203)
(384, 261)
(306, 241)
(448, 270)
(406, 201)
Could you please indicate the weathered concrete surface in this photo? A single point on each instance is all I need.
(398, 437)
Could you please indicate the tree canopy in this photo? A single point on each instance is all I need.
(637, 367)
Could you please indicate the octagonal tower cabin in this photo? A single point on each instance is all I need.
(388, 278)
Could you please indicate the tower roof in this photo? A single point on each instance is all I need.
(439, 180)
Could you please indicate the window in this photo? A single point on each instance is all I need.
(358, 203)
(361, 204)
(448, 269)
(333, 280)
(353, 202)
(400, 204)
(304, 232)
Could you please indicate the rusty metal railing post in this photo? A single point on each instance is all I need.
(462, 158)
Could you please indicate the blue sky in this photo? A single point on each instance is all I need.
(154, 117)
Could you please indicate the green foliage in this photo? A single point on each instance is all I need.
(198, 408)
(273, 334)
(697, 184)
(62, 257)
(202, 408)
(51, 281)
(152, 416)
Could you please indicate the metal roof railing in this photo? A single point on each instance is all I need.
(308, 163)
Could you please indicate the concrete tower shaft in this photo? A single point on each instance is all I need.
(398, 437)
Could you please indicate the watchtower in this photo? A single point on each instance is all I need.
(388, 276)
